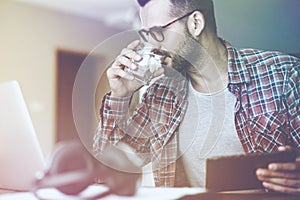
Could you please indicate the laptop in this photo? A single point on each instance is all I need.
(20, 152)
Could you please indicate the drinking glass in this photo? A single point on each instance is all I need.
(147, 67)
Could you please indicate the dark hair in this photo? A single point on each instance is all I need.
(143, 2)
(181, 7)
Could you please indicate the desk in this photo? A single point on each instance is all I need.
(144, 193)
(150, 193)
(249, 196)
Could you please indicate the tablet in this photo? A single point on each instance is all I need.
(238, 172)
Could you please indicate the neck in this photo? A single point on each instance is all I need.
(210, 74)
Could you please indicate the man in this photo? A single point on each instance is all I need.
(232, 101)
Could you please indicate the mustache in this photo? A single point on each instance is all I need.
(162, 52)
(174, 65)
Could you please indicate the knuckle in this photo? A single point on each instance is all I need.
(133, 44)
(119, 57)
(123, 50)
(292, 166)
(126, 51)
(287, 182)
(119, 71)
(122, 61)
(109, 71)
(285, 190)
(116, 61)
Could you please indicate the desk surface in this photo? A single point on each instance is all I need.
(260, 196)
(155, 193)
(144, 193)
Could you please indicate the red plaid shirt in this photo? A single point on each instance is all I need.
(267, 111)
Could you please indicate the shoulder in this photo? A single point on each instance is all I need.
(253, 64)
(257, 59)
(268, 65)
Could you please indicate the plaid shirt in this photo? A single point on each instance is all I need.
(267, 111)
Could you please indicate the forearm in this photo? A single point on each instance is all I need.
(113, 120)
(116, 125)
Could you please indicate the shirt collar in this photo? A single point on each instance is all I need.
(237, 66)
(237, 72)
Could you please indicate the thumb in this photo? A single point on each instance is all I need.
(284, 148)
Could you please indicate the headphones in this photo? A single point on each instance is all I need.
(71, 169)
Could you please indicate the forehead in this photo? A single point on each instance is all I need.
(155, 13)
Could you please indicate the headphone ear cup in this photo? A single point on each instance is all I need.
(70, 169)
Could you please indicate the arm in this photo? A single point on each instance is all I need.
(285, 177)
(113, 117)
(115, 124)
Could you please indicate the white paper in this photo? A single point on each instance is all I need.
(142, 193)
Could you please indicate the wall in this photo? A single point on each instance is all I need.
(263, 24)
(29, 38)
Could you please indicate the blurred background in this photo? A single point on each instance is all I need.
(44, 42)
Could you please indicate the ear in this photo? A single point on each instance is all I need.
(196, 24)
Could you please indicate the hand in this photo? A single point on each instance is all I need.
(123, 83)
(117, 172)
(281, 177)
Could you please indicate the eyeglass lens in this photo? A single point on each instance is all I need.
(155, 33)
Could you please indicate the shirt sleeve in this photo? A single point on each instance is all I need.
(115, 123)
(293, 103)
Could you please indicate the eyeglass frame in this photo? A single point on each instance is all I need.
(160, 28)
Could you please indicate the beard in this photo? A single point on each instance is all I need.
(184, 57)
(189, 55)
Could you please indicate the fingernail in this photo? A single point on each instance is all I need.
(272, 167)
(265, 184)
(281, 148)
(133, 66)
(259, 172)
(137, 57)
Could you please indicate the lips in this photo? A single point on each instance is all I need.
(161, 52)
(165, 56)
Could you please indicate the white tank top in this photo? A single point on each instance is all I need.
(207, 130)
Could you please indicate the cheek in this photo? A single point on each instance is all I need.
(173, 40)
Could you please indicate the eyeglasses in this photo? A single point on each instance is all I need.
(156, 32)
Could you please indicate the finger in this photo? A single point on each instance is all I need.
(123, 61)
(159, 72)
(117, 73)
(283, 166)
(284, 182)
(264, 174)
(133, 45)
(131, 54)
(284, 148)
(282, 189)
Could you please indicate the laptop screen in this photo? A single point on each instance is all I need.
(20, 153)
